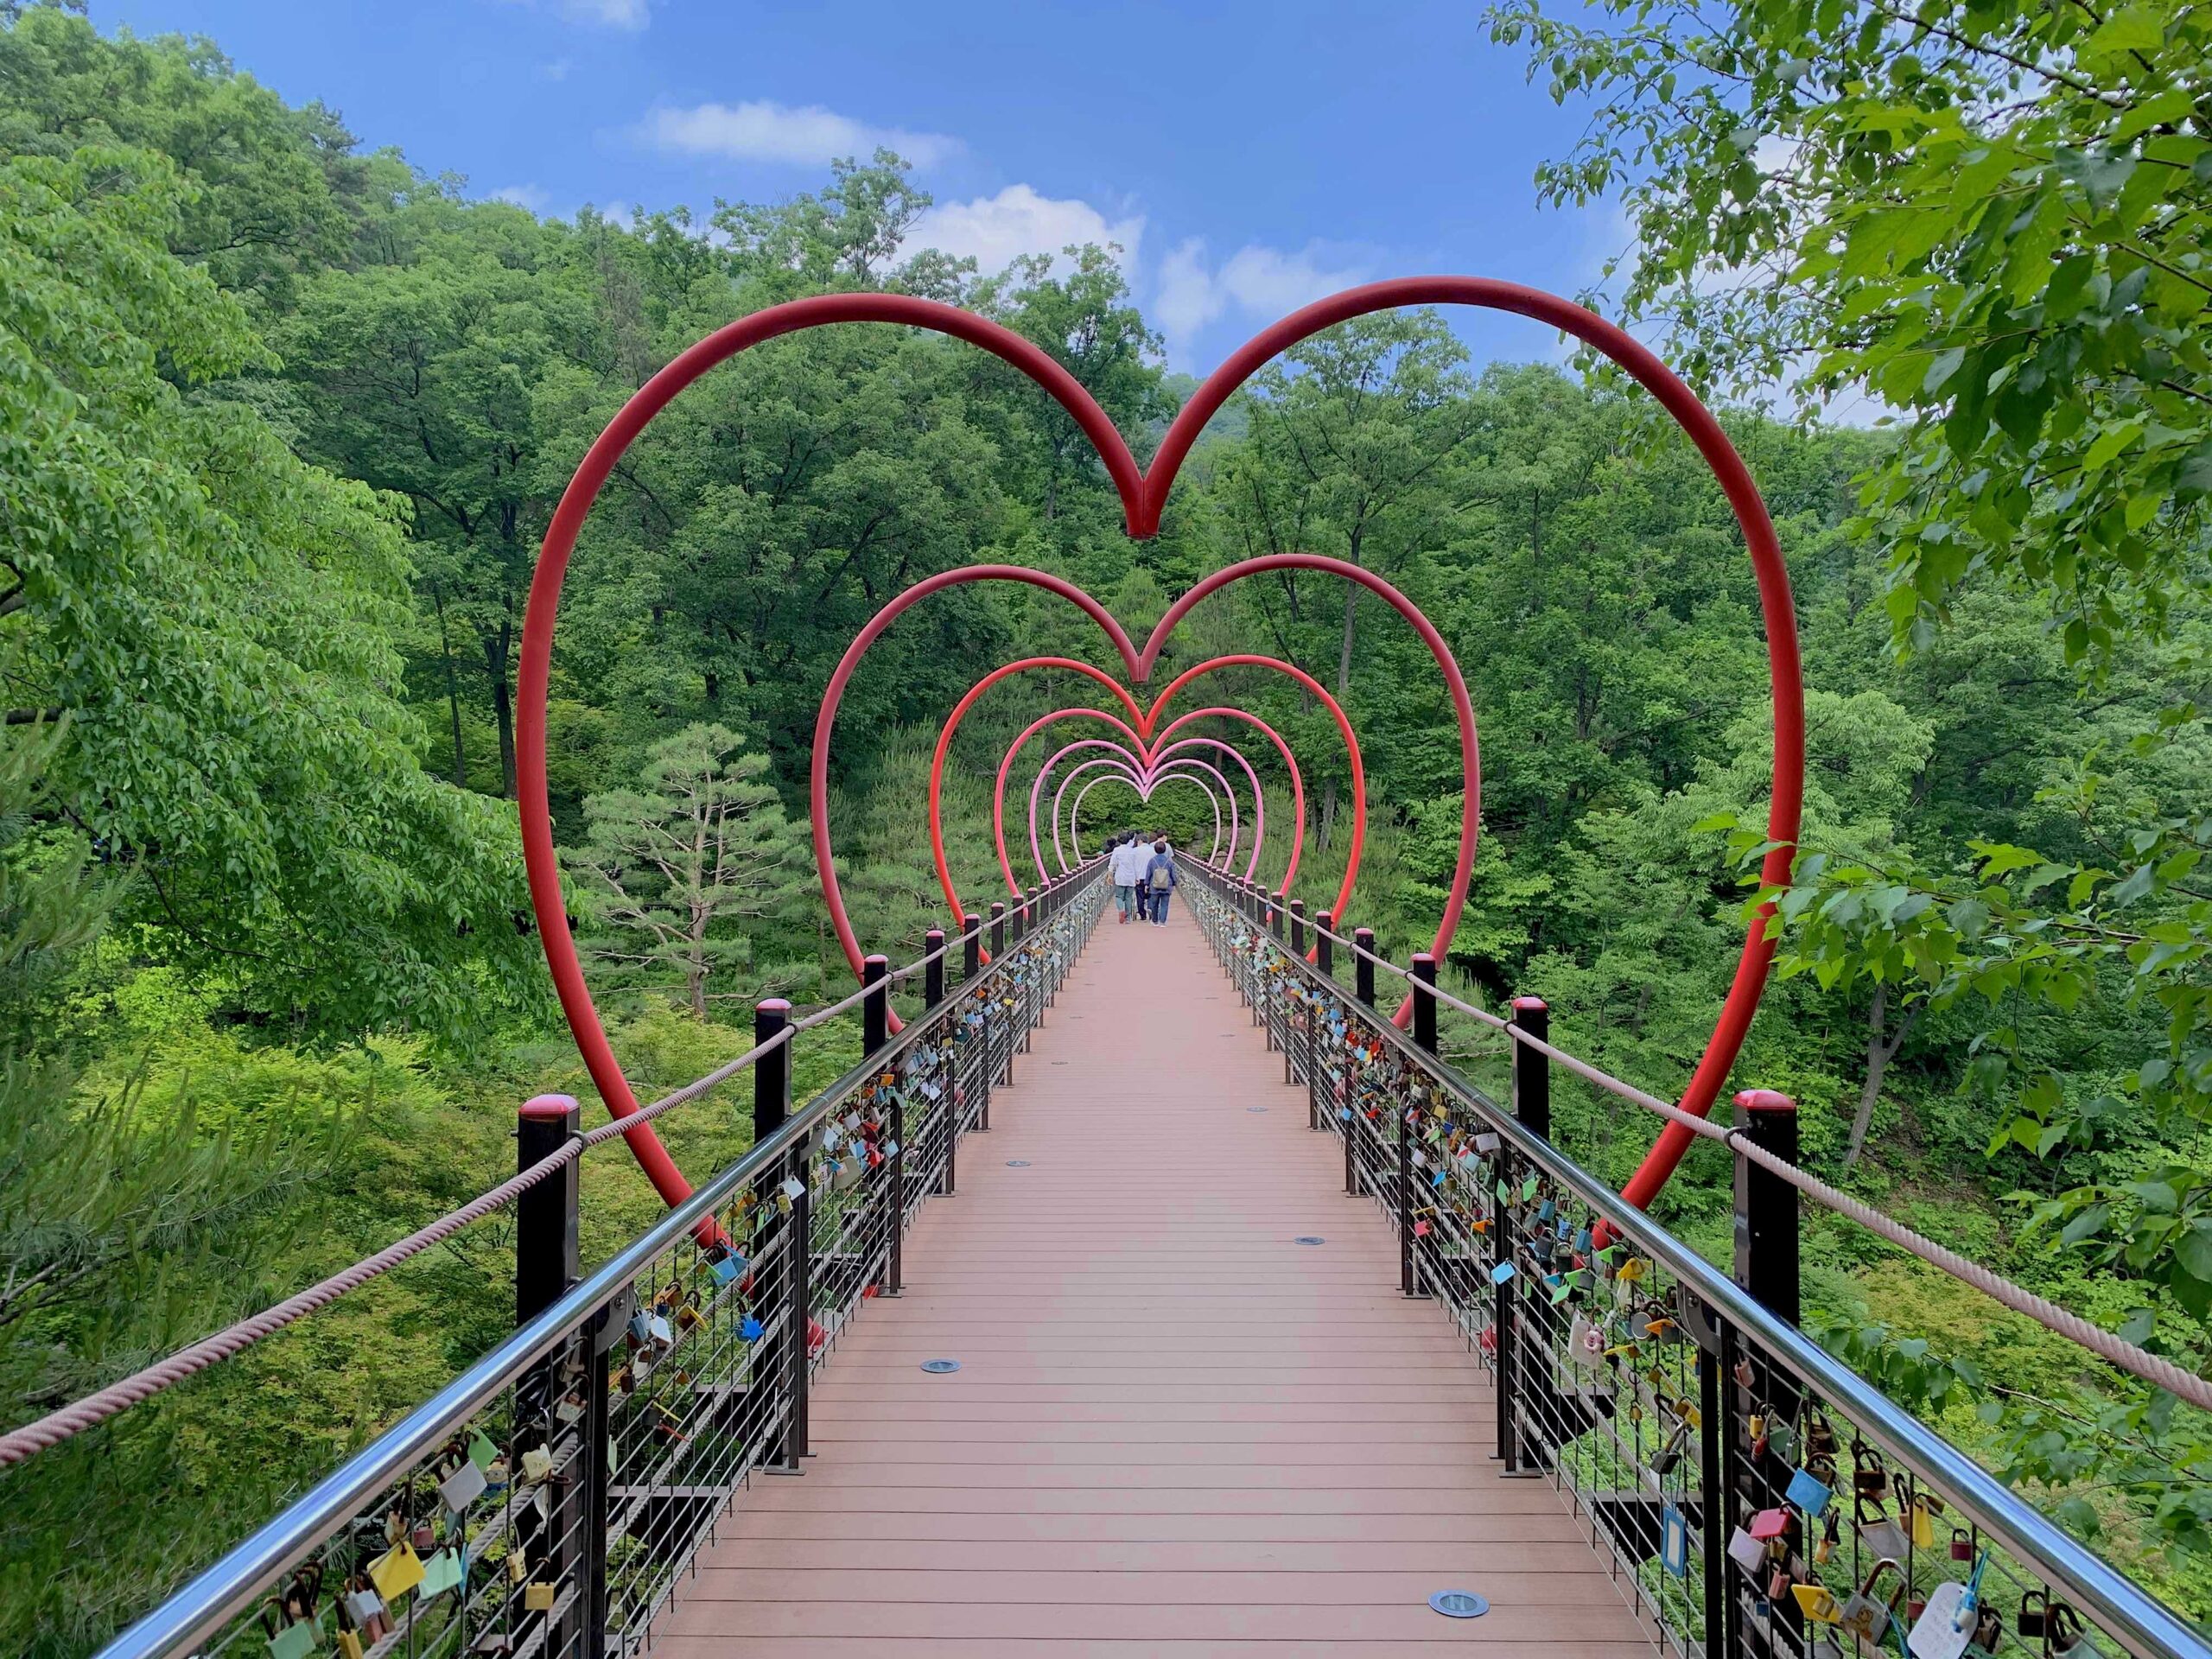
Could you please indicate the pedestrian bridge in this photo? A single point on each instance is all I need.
(1151, 1293)
(1152, 1290)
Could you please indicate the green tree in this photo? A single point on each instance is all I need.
(116, 1222)
(218, 618)
(668, 871)
(1995, 220)
(438, 378)
(277, 191)
(1351, 436)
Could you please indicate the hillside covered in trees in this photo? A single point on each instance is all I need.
(282, 424)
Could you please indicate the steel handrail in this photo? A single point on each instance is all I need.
(232, 1584)
(2150, 1628)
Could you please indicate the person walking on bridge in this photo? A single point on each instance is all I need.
(1126, 864)
(1159, 879)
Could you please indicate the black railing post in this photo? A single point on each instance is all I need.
(1766, 1266)
(771, 1103)
(1723, 1623)
(876, 1007)
(1362, 972)
(971, 948)
(875, 1036)
(932, 1000)
(1274, 916)
(1532, 1070)
(1532, 1106)
(1325, 959)
(998, 929)
(547, 1259)
(1424, 990)
(1766, 1205)
(1297, 925)
(1424, 1023)
(547, 1262)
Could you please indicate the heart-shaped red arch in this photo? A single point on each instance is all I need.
(1142, 494)
(1145, 720)
(1145, 768)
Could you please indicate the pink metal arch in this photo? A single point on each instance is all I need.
(998, 793)
(1214, 855)
(1289, 761)
(1143, 494)
(1148, 763)
(952, 724)
(1059, 793)
(1143, 770)
(1122, 774)
(1145, 720)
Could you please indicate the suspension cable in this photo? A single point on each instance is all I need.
(66, 1421)
(2105, 1344)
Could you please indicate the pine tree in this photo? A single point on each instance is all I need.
(667, 868)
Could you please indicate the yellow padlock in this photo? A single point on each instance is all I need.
(538, 1597)
(1818, 1603)
(1923, 1528)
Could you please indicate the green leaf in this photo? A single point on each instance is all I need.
(2136, 28)
(2194, 1252)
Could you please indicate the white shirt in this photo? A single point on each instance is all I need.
(1129, 861)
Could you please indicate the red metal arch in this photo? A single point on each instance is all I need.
(1145, 720)
(1146, 768)
(1143, 493)
(1121, 768)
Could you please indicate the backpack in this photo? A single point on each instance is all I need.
(1159, 879)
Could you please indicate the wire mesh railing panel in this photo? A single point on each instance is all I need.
(1751, 1495)
(554, 1500)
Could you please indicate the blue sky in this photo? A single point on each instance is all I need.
(1250, 156)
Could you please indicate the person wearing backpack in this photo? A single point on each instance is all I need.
(1160, 880)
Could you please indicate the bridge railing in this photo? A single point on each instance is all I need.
(1756, 1497)
(552, 1499)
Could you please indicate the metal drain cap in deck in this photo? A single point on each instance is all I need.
(1458, 1604)
(1017, 1163)
(1308, 1238)
(940, 1367)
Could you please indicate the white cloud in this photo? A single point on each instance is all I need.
(524, 195)
(996, 230)
(631, 14)
(614, 14)
(764, 131)
(1261, 281)
(556, 70)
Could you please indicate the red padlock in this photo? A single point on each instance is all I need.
(1961, 1544)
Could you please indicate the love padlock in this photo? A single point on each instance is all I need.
(1866, 1617)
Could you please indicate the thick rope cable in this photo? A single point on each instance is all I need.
(73, 1419)
(2113, 1349)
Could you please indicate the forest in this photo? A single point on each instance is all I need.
(282, 424)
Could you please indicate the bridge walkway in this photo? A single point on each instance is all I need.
(1174, 1430)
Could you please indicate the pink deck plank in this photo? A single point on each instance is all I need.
(1175, 1432)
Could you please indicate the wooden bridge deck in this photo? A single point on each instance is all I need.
(1174, 1430)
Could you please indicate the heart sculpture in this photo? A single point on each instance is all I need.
(1120, 770)
(1115, 773)
(1144, 771)
(1143, 493)
(1144, 763)
(1145, 720)
(1290, 764)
